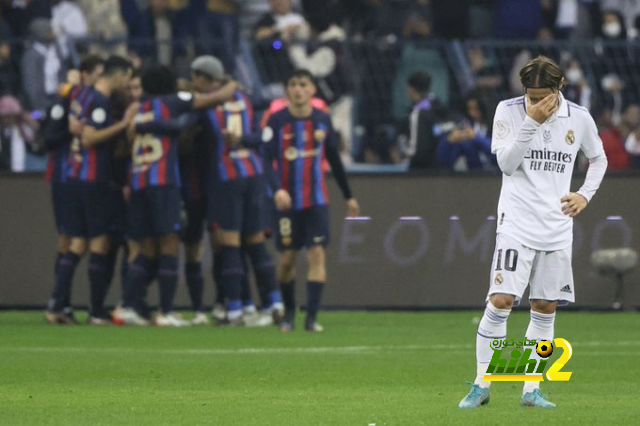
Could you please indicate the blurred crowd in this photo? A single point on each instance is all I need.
(363, 54)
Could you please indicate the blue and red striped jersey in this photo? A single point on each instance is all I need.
(57, 138)
(90, 164)
(298, 147)
(155, 155)
(231, 163)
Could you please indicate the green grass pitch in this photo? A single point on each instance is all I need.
(366, 368)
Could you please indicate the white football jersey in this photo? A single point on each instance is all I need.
(529, 209)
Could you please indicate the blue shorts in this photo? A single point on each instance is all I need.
(194, 226)
(59, 199)
(119, 209)
(237, 206)
(302, 228)
(88, 210)
(154, 212)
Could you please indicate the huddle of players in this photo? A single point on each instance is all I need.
(196, 155)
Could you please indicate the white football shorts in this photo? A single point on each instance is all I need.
(548, 273)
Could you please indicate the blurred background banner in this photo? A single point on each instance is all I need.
(427, 243)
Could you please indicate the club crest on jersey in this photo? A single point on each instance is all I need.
(291, 153)
(570, 138)
(499, 280)
(319, 134)
(546, 135)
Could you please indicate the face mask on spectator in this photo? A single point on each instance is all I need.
(573, 75)
(612, 29)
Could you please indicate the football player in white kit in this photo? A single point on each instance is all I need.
(536, 138)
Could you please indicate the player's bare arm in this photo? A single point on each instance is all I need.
(574, 203)
(92, 136)
(206, 100)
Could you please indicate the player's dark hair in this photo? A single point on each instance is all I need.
(159, 80)
(115, 64)
(300, 73)
(137, 73)
(541, 73)
(319, 22)
(420, 81)
(90, 63)
(202, 74)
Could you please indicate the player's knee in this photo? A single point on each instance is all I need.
(254, 239)
(502, 301)
(193, 252)
(287, 262)
(544, 306)
(316, 257)
(78, 246)
(169, 245)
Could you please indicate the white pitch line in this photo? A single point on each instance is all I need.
(346, 350)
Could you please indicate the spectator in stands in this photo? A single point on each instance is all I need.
(468, 145)
(427, 113)
(21, 12)
(68, 23)
(577, 86)
(8, 73)
(16, 133)
(417, 26)
(105, 24)
(613, 27)
(627, 11)
(613, 139)
(486, 78)
(42, 66)
(275, 28)
(323, 56)
(156, 32)
(632, 145)
(281, 22)
(217, 32)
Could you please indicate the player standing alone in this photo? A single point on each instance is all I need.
(536, 138)
(298, 138)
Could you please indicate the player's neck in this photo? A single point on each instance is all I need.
(300, 111)
(103, 86)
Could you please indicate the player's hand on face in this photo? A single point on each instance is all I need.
(543, 109)
(282, 200)
(573, 204)
(353, 208)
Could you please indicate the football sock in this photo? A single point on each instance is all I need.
(541, 327)
(66, 303)
(314, 296)
(492, 325)
(265, 274)
(99, 278)
(288, 290)
(168, 281)
(193, 271)
(138, 276)
(232, 273)
(64, 279)
(245, 285)
(217, 278)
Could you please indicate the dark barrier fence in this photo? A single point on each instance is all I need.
(428, 244)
